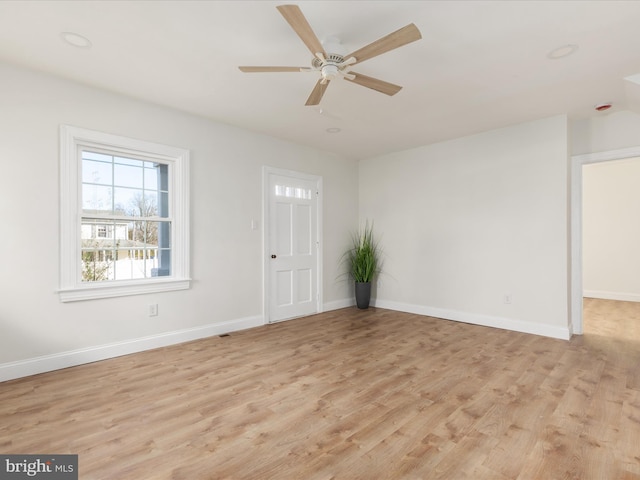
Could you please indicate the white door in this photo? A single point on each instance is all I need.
(292, 245)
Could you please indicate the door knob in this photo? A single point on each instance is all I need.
(273, 256)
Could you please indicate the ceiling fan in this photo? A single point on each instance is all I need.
(331, 65)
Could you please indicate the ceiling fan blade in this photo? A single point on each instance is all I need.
(374, 84)
(298, 22)
(317, 93)
(272, 69)
(401, 37)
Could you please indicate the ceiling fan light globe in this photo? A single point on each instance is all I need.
(330, 71)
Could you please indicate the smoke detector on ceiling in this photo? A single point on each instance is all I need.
(75, 40)
(563, 51)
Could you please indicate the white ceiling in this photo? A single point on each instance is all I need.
(480, 64)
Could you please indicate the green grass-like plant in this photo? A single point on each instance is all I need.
(363, 257)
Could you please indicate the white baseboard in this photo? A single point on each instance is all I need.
(338, 304)
(47, 363)
(621, 296)
(477, 319)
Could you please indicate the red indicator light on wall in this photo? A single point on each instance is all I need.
(602, 107)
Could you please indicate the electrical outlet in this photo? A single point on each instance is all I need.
(153, 309)
(507, 298)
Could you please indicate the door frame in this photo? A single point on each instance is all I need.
(266, 250)
(577, 161)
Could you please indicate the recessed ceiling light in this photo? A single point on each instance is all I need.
(76, 40)
(334, 130)
(561, 52)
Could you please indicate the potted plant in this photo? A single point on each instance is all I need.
(363, 262)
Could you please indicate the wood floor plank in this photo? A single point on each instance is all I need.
(348, 394)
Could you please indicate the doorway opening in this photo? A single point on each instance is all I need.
(577, 266)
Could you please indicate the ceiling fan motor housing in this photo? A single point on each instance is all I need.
(329, 67)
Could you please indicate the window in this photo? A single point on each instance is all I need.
(293, 192)
(124, 216)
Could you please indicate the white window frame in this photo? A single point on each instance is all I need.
(72, 288)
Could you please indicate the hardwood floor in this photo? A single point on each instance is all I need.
(349, 394)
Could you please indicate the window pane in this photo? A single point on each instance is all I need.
(127, 176)
(128, 201)
(100, 234)
(128, 251)
(97, 253)
(124, 186)
(97, 156)
(150, 176)
(164, 264)
(163, 171)
(95, 266)
(149, 233)
(150, 203)
(96, 172)
(96, 199)
(159, 233)
(136, 231)
(163, 207)
(128, 161)
(135, 262)
(292, 192)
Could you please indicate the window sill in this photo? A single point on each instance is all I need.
(121, 289)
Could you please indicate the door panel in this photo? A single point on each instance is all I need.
(283, 229)
(292, 247)
(303, 229)
(305, 285)
(284, 288)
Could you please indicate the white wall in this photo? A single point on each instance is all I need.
(616, 130)
(465, 222)
(611, 230)
(226, 181)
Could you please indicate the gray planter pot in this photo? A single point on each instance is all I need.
(363, 294)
